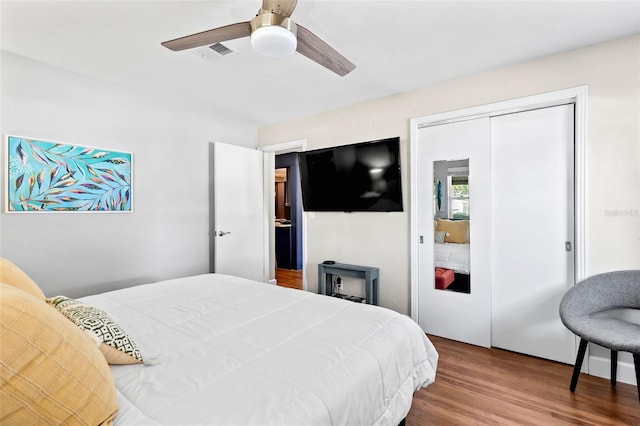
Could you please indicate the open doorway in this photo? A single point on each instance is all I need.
(272, 152)
(288, 221)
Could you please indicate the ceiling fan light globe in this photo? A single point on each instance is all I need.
(274, 41)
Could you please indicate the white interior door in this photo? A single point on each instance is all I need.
(459, 316)
(238, 213)
(532, 230)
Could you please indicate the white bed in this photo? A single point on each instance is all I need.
(229, 351)
(452, 256)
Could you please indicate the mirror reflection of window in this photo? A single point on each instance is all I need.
(451, 225)
(459, 196)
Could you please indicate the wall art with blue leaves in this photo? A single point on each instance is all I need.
(45, 176)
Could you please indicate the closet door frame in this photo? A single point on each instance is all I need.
(576, 95)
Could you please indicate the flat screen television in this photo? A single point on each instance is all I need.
(352, 178)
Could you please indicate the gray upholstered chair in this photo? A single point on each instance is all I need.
(611, 290)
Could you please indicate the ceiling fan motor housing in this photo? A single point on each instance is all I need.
(273, 35)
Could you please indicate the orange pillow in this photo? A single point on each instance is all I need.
(456, 230)
(16, 277)
(52, 373)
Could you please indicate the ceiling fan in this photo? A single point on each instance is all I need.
(272, 33)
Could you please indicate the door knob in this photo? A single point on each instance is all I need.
(222, 233)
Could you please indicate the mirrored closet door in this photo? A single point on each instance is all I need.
(503, 186)
(454, 256)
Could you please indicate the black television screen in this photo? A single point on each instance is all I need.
(350, 178)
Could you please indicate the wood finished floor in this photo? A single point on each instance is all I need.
(479, 386)
(476, 386)
(289, 278)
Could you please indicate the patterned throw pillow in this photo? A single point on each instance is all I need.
(116, 346)
(440, 235)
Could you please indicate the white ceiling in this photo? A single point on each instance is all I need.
(396, 46)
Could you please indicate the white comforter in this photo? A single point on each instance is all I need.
(229, 351)
(452, 256)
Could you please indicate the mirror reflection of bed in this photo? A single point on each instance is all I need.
(451, 225)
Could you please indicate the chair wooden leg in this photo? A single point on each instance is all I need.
(614, 366)
(636, 362)
(576, 369)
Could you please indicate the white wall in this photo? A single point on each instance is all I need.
(167, 234)
(612, 72)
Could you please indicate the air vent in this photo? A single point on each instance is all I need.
(221, 49)
(214, 53)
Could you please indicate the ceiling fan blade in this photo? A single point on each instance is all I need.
(311, 46)
(216, 35)
(280, 7)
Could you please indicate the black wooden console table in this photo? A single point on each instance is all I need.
(370, 275)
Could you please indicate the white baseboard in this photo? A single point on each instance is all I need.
(273, 282)
(601, 367)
